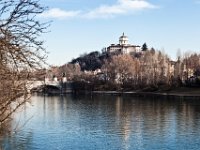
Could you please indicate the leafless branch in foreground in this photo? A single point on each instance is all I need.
(21, 52)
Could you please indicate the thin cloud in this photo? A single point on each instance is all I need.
(59, 14)
(122, 7)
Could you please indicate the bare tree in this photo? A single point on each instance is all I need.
(70, 70)
(120, 69)
(21, 52)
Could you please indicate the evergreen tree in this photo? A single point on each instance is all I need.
(144, 47)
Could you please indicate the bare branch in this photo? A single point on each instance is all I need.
(21, 51)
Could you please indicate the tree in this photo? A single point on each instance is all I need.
(144, 47)
(153, 51)
(21, 52)
(70, 70)
(120, 69)
(89, 62)
(153, 68)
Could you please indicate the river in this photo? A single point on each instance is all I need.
(105, 123)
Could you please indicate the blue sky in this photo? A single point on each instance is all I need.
(82, 26)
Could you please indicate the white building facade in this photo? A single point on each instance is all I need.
(123, 47)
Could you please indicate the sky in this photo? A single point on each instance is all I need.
(83, 26)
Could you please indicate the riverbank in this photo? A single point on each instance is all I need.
(175, 92)
(178, 92)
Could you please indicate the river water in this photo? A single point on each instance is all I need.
(105, 123)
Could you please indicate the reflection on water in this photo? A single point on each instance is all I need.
(106, 122)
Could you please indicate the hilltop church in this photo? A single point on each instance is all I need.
(123, 47)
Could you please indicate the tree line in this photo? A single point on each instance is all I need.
(148, 70)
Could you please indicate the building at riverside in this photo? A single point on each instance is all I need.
(123, 47)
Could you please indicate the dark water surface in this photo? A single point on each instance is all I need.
(105, 123)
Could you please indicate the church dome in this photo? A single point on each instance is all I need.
(123, 40)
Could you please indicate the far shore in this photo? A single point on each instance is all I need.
(175, 92)
(178, 92)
